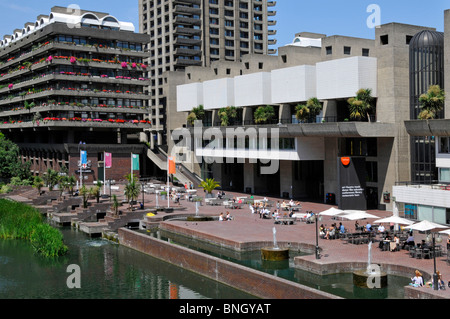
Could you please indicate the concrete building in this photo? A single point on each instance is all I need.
(310, 152)
(186, 33)
(73, 81)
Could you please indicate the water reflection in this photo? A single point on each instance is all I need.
(108, 271)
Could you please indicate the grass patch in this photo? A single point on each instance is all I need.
(21, 221)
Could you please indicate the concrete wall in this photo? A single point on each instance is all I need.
(228, 273)
(447, 61)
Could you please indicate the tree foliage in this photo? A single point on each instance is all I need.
(227, 114)
(431, 102)
(209, 185)
(10, 163)
(197, 114)
(361, 105)
(264, 114)
(311, 109)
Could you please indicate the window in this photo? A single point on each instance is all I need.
(384, 39)
(365, 52)
(408, 39)
(347, 50)
(444, 145)
(329, 50)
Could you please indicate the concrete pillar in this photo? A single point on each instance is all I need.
(249, 176)
(247, 115)
(330, 109)
(285, 113)
(330, 166)
(286, 178)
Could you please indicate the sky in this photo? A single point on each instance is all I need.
(330, 17)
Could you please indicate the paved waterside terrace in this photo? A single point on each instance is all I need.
(248, 231)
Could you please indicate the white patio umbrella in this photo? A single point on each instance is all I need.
(427, 226)
(445, 232)
(394, 220)
(356, 215)
(332, 212)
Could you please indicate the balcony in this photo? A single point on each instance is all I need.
(439, 127)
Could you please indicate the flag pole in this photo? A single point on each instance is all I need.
(81, 169)
(168, 183)
(104, 172)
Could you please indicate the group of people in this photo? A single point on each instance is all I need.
(332, 231)
(418, 281)
(228, 217)
(288, 206)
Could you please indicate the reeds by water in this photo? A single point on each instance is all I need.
(21, 221)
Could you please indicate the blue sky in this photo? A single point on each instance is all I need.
(331, 17)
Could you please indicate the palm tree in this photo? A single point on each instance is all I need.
(84, 192)
(226, 114)
(264, 114)
(361, 104)
(38, 183)
(71, 182)
(431, 102)
(115, 205)
(197, 114)
(95, 192)
(51, 178)
(311, 109)
(132, 191)
(209, 185)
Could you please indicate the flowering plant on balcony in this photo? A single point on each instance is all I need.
(134, 65)
(10, 86)
(49, 59)
(144, 66)
(73, 59)
(124, 64)
(103, 76)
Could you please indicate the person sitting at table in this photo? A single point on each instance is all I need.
(264, 213)
(330, 232)
(322, 231)
(284, 205)
(409, 242)
(396, 243)
(381, 229)
(417, 280)
(276, 214)
(229, 216)
(341, 228)
(357, 226)
(291, 203)
(368, 227)
(221, 219)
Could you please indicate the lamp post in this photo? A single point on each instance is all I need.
(435, 275)
(317, 238)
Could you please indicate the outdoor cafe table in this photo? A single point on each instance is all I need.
(358, 238)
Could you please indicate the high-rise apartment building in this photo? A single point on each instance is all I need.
(187, 33)
(72, 81)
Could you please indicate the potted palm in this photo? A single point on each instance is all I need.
(431, 102)
(264, 114)
(311, 109)
(208, 186)
(361, 105)
(197, 114)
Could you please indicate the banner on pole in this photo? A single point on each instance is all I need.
(135, 162)
(108, 160)
(172, 165)
(83, 156)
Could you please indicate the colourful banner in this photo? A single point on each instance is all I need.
(83, 156)
(135, 162)
(172, 165)
(108, 160)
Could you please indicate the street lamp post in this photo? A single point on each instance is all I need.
(317, 238)
(435, 275)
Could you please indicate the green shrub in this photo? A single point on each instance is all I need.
(20, 221)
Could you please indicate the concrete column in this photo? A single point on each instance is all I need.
(330, 109)
(249, 176)
(286, 178)
(248, 114)
(330, 166)
(285, 112)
